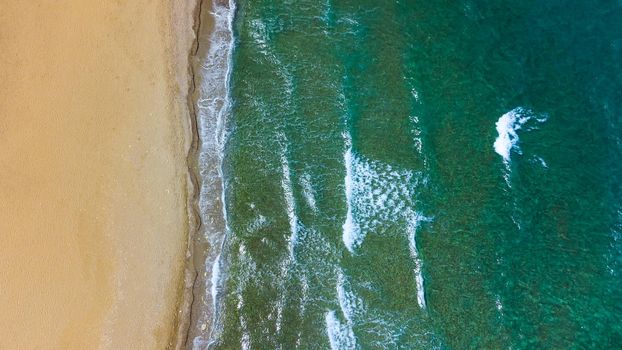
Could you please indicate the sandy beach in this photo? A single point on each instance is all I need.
(94, 134)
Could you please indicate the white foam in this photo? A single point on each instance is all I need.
(213, 108)
(258, 223)
(415, 94)
(290, 207)
(215, 280)
(304, 299)
(260, 33)
(416, 133)
(377, 194)
(307, 191)
(541, 161)
(245, 340)
(351, 232)
(498, 304)
(290, 203)
(349, 303)
(278, 323)
(507, 125)
(304, 290)
(413, 224)
(326, 13)
(340, 336)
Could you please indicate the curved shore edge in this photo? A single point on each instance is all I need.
(188, 86)
(209, 107)
(187, 82)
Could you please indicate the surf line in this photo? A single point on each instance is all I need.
(213, 105)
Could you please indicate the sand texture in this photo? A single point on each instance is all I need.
(94, 134)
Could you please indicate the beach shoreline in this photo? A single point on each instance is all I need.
(210, 104)
(195, 250)
(95, 138)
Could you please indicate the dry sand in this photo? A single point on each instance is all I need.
(94, 134)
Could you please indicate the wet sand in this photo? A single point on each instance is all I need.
(94, 133)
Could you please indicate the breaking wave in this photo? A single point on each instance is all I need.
(507, 128)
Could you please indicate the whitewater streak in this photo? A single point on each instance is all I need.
(413, 224)
(341, 335)
(351, 232)
(213, 106)
(290, 202)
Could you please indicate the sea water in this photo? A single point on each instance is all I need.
(418, 175)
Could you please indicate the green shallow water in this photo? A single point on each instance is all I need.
(367, 206)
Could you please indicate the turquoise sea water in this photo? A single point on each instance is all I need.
(423, 175)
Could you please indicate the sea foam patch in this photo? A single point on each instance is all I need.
(349, 303)
(340, 336)
(507, 127)
(376, 194)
